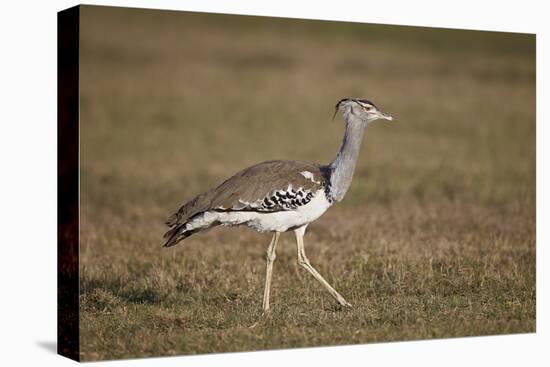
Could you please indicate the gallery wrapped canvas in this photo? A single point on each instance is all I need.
(240, 183)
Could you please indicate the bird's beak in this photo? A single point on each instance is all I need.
(385, 116)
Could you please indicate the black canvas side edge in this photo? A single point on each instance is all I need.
(67, 183)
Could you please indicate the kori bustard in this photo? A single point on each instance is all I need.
(280, 196)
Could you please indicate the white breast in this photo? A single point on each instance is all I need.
(267, 222)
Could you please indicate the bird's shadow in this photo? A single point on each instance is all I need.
(48, 345)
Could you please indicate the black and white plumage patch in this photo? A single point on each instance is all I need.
(326, 172)
(280, 200)
(286, 199)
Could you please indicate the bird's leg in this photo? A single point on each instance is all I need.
(304, 262)
(269, 269)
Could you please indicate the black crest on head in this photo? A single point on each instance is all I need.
(342, 101)
(364, 101)
(338, 106)
(359, 101)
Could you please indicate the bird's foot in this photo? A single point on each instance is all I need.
(254, 325)
(344, 303)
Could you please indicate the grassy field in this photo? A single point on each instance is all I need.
(435, 239)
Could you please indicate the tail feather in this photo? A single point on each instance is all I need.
(175, 235)
(180, 231)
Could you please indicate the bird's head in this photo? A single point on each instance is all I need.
(361, 110)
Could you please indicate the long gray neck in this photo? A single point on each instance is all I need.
(342, 167)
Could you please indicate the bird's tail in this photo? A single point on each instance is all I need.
(197, 223)
(175, 235)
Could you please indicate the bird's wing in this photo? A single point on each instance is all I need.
(266, 187)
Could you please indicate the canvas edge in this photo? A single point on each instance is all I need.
(68, 343)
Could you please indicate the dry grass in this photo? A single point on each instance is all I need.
(435, 239)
